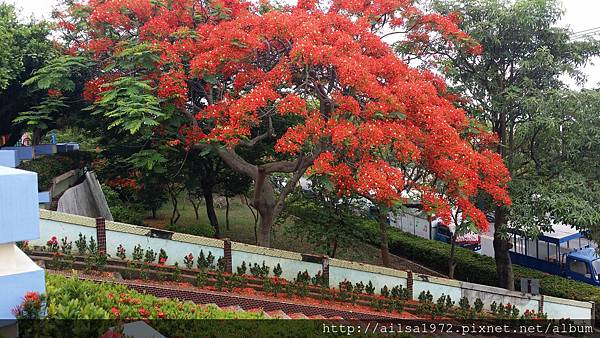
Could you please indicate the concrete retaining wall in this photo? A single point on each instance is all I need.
(60, 225)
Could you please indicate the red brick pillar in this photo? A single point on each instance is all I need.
(325, 269)
(101, 235)
(409, 284)
(227, 255)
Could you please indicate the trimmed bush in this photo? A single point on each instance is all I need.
(200, 229)
(124, 212)
(48, 167)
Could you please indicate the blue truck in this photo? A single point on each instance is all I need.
(564, 252)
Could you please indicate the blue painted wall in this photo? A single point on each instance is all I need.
(19, 213)
(8, 158)
(14, 287)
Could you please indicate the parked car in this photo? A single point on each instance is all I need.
(469, 240)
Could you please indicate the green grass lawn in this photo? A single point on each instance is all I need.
(242, 230)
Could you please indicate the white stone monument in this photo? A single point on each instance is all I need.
(19, 221)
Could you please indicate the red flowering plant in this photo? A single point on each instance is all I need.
(121, 252)
(33, 306)
(313, 82)
(162, 257)
(531, 315)
(52, 244)
(188, 260)
(24, 245)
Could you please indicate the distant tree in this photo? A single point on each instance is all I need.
(232, 184)
(201, 175)
(322, 218)
(152, 193)
(514, 87)
(557, 177)
(24, 48)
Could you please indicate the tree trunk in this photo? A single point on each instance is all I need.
(264, 202)
(501, 251)
(334, 249)
(153, 213)
(207, 183)
(385, 251)
(254, 216)
(502, 246)
(210, 212)
(195, 205)
(256, 231)
(196, 210)
(175, 214)
(227, 212)
(451, 260)
(265, 225)
(36, 138)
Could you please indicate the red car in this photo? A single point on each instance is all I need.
(469, 240)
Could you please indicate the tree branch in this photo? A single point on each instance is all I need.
(269, 133)
(281, 166)
(303, 164)
(233, 160)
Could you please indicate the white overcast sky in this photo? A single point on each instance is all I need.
(579, 15)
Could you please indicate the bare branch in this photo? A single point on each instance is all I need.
(233, 160)
(269, 133)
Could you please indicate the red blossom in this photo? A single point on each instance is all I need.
(54, 93)
(145, 313)
(31, 296)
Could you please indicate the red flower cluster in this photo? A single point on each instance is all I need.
(145, 313)
(115, 312)
(54, 93)
(94, 88)
(31, 296)
(52, 244)
(30, 307)
(122, 183)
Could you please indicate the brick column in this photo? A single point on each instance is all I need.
(409, 284)
(227, 255)
(593, 321)
(325, 269)
(101, 235)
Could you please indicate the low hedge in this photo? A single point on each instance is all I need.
(197, 229)
(476, 268)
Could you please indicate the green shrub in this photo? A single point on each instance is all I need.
(107, 298)
(204, 230)
(48, 167)
(128, 213)
(124, 212)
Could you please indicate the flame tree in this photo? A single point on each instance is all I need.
(304, 87)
